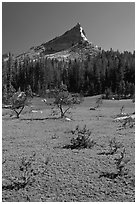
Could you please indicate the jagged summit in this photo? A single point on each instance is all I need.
(73, 40)
(68, 39)
(82, 32)
(78, 24)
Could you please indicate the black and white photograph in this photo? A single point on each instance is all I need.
(68, 101)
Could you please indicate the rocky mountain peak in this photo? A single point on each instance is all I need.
(73, 41)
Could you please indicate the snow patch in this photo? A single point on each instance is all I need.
(124, 117)
(35, 111)
(82, 35)
(68, 119)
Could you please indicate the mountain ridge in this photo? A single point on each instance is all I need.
(73, 44)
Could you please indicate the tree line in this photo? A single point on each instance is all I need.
(108, 72)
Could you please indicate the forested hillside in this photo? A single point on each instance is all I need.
(108, 72)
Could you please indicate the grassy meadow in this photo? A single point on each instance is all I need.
(67, 174)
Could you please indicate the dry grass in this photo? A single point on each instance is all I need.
(71, 174)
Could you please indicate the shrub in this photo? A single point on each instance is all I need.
(99, 102)
(81, 139)
(114, 146)
(27, 174)
(122, 109)
(121, 162)
(120, 167)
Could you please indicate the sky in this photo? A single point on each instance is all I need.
(106, 24)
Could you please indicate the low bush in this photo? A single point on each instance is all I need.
(99, 102)
(81, 139)
(27, 173)
(114, 146)
(121, 162)
(119, 166)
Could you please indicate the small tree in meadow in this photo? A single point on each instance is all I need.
(19, 100)
(99, 102)
(64, 100)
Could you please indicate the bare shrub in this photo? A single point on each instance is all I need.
(121, 162)
(121, 114)
(122, 109)
(99, 102)
(113, 147)
(27, 174)
(120, 167)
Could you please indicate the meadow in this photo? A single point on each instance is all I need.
(59, 174)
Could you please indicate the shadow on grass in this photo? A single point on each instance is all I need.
(31, 119)
(105, 153)
(78, 147)
(69, 146)
(109, 175)
(14, 186)
(9, 118)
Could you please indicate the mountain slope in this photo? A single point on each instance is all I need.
(72, 44)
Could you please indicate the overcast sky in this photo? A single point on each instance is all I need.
(108, 25)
